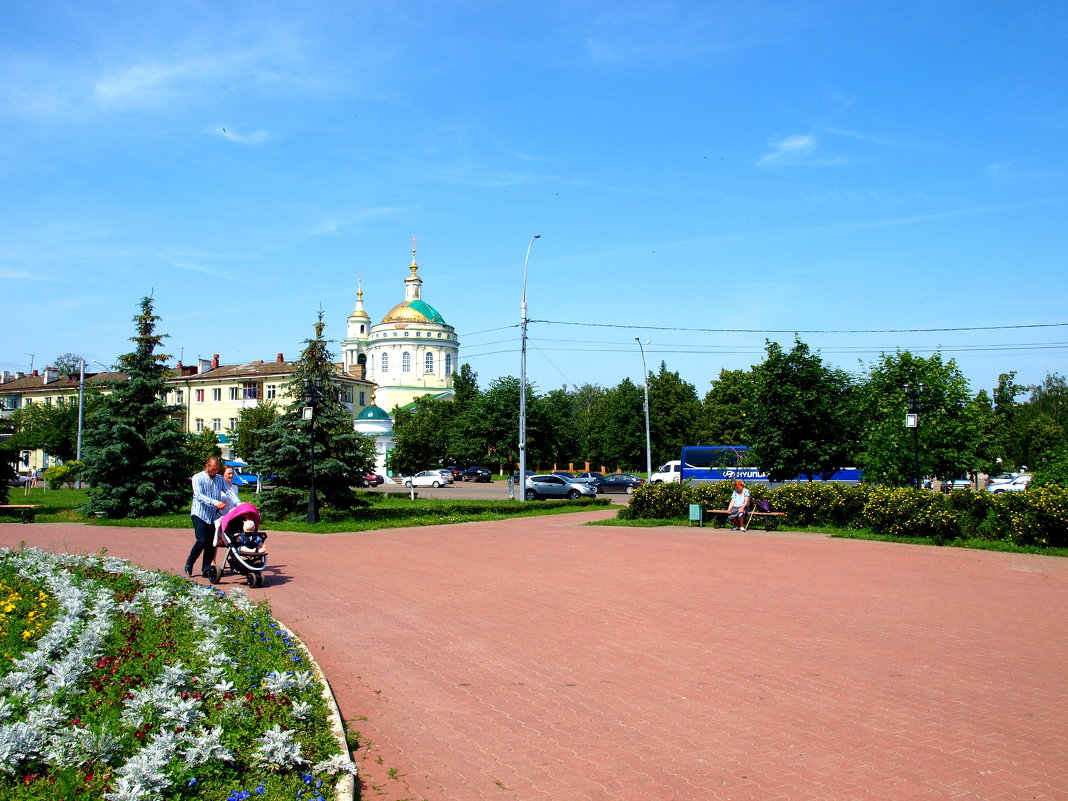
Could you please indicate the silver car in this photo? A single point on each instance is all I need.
(550, 486)
(1018, 484)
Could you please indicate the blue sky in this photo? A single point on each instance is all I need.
(748, 168)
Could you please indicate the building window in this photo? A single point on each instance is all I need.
(48, 401)
(233, 423)
(429, 362)
(448, 364)
(216, 425)
(271, 391)
(216, 394)
(249, 391)
(363, 399)
(179, 396)
(406, 361)
(29, 401)
(345, 394)
(60, 402)
(200, 396)
(235, 393)
(199, 425)
(385, 362)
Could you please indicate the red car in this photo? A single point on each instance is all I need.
(372, 480)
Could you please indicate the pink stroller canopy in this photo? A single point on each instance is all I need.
(245, 511)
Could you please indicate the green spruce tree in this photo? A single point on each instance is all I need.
(133, 444)
(342, 455)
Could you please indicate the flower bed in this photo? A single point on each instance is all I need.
(122, 684)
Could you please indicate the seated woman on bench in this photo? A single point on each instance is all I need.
(739, 505)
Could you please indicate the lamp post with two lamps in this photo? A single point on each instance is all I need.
(523, 379)
(81, 410)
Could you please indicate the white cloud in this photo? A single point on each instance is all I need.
(334, 224)
(253, 138)
(797, 150)
(789, 150)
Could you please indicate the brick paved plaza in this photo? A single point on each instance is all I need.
(541, 659)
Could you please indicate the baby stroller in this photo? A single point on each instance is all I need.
(240, 534)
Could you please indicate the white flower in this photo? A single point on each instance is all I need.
(207, 746)
(277, 749)
(301, 710)
(339, 763)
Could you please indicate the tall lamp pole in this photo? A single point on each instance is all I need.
(81, 411)
(648, 442)
(912, 420)
(523, 379)
(311, 398)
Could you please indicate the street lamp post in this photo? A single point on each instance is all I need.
(311, 398)
(523, 379)
(912, 420)
(648, 442)
(81, 411)
(81, 416)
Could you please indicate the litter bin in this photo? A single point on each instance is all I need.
(697, 514)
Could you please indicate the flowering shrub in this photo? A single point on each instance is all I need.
(1036, 517)
(1043, 518)
(139, 685)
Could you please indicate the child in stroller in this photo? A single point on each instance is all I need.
(241, 537)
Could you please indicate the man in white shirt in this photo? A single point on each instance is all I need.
(209, 494)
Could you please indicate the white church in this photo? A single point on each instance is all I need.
(412, 352)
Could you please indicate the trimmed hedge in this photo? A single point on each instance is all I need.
(1036, 517)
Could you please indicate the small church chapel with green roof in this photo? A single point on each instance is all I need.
(410, 353)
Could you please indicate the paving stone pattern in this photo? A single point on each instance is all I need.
(540, 659)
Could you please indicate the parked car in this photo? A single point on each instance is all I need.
(585, 478)
(19, 480)
(428, 478)
(456, 471)
(371, 480)
(957, 483)
(445, 473)
(668, 473)
(1001, 478)
(551, 486)
(563, 474)
(618, 482)
(476, 473)
(1018, 484)
(244, 477)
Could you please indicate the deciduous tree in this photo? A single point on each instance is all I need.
(798, 423)
(948, 431)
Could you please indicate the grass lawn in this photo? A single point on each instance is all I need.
(386, 510)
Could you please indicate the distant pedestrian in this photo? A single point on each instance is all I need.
(35, 474)
(209, 494)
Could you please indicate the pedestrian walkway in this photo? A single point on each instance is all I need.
(542, 660)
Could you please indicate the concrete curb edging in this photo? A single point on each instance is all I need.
(346, 785)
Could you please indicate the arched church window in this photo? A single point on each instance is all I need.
(448, 364)
(429, 362)
(385, 363)
(406, 362)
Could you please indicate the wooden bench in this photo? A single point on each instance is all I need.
(771, 519)
(28, 511)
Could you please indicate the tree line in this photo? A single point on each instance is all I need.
(799, 415)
